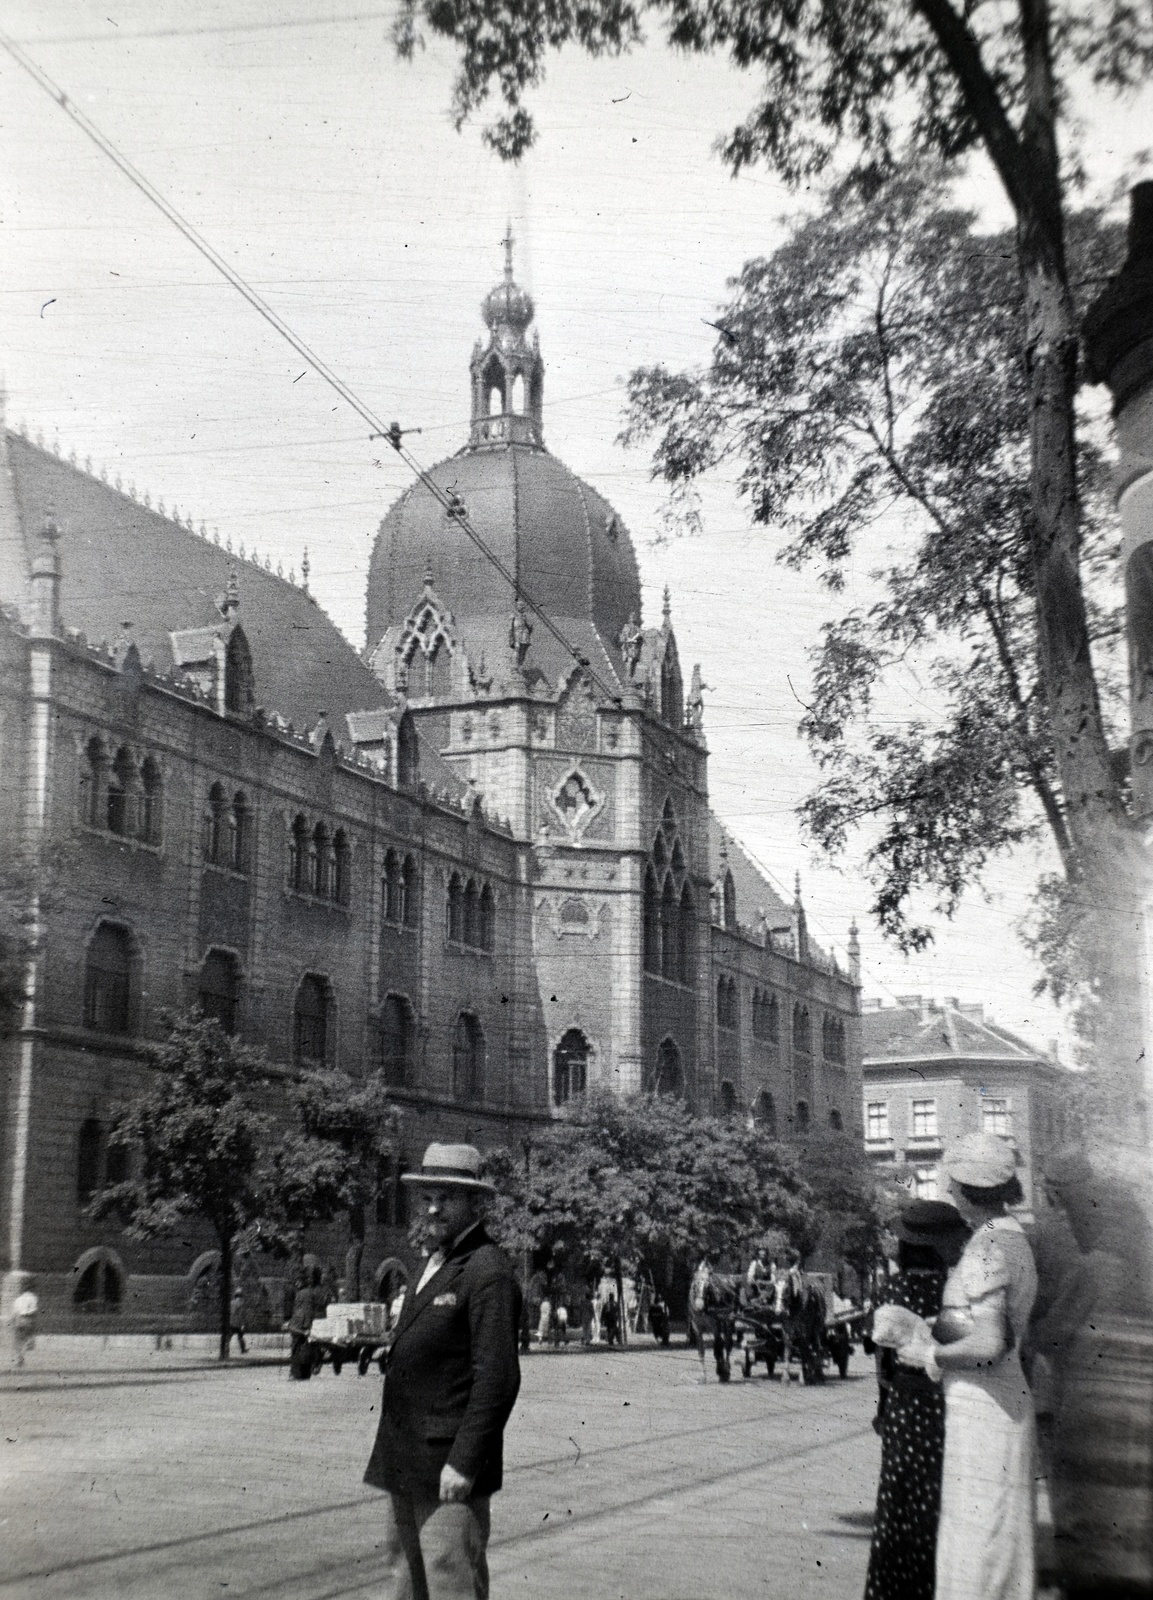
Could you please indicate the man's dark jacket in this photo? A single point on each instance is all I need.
(452, 1374)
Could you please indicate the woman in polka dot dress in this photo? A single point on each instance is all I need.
(930, 1236)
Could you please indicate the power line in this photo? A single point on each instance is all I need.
(393, 433)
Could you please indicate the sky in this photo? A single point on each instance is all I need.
(327, 173)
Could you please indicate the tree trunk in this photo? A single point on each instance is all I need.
(624, 1322)
(225, 1295)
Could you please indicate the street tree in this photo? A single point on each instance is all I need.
(869, 375)
(861, 90)
(328, 1164)
(618, 1182)
(194, 1138)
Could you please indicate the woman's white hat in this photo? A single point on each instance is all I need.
(980, 1160)
(450, 1165)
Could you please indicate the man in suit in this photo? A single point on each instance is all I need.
(451, 1380)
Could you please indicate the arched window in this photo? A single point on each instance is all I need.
(471, 915)
(239, 828)
(570, 1064)
(116, 1162)
(802, 1116)
(765, 1113)
(407, 754)
(215, 827)
(729, 902)
(660, 854)
(298, 855)
(722, 1008)
(652, 932)
(108, 980)
(312, 1022)
(518, 395)
(455, 910)
(686, 922)
(151, 797)
(89, 1154)
(468, 1058)
(397, 1041)
(487, 918)
(668, 814)
(99, 1289)
(666, 1076)
(119, 803)
(391, 888)
(319, 862)
(238, 682)
(219, 992)
(341, 868)
(91, 783)
(833, 1039)
(409, 893)
(669, 964)
(802, 1031)
(773, 1020)
(835, 1122)
(728, 1099)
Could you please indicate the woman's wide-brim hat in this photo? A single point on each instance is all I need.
(454, 1166)
(925, 1221)
(980, 1161)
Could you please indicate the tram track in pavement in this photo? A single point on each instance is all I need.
(666, 1462)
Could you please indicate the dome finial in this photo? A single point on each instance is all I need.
(508, 241)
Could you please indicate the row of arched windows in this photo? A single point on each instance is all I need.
(802, 1031)
(319, 861)
(227, 830)
(395, 1042)
(120, 793)
(98, 1163)
(398, 893)
(470, 914)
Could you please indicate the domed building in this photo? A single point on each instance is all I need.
(504, 614)
(477, 859)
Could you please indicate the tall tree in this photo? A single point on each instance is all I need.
(195, 1138)
(869, 375)
(860, 87)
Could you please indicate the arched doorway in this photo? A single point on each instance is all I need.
(570, 1064)
(666, 1076)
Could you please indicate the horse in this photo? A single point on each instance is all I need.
(714, 1299)
(801, 1307)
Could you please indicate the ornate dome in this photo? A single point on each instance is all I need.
(564, 544)
(563, 541)
(509, 305)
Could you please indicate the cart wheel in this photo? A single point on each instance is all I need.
(337, 1363)
(363, 1362)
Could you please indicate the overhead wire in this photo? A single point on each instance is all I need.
(392, 432)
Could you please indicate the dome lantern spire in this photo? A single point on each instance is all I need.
(508, 373)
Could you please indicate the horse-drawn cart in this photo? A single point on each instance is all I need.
(802, 1323)
(354, 1331)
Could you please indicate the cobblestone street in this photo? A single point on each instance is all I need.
(625, 1476)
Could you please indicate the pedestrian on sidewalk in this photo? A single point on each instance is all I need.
(25, 1309)
(236, 1319)
(451, 1380)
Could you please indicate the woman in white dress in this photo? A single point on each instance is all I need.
(985, 1535)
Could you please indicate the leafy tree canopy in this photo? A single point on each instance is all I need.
(869, 373)
(628, 1180)
(196, 1135)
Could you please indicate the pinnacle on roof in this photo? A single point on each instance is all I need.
(508, 373)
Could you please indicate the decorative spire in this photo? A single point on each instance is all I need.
(854, 952)
(667, 610)
(231, 601)
(508, 373)
(797, 889)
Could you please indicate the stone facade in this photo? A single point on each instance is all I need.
(480, 859)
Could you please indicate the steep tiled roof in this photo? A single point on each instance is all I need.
(754, 891)
(121, 562)
(904, 1033)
